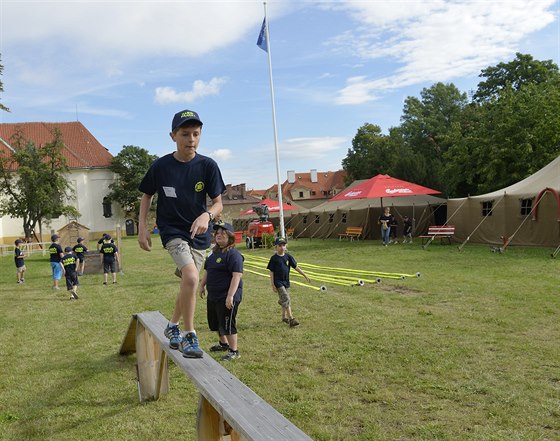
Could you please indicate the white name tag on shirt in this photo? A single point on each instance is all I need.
(170, 192)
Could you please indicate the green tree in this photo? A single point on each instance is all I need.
(431, 126)
(33, 180)
(523, 70)
(131, 164)
(365, 158)
(517, 134)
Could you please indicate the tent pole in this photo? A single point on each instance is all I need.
(480, 223)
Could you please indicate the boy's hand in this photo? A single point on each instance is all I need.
(229, 302)
(200, 225)
(202, 292)
(145, 240)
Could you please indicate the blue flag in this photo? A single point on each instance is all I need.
(262, 42)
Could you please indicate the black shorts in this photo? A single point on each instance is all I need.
(220, 318)
(110, 267)
(71, 281)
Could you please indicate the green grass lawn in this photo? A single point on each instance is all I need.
(468, 351)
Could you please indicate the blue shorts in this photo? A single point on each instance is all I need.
(56, 270)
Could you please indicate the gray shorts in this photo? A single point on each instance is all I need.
(283, 296)
(183, 254)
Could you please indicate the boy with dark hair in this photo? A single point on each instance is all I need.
(109, 259)
(69, 264)
(223, 270)
(182, 180)
(19, 261)
(279, 266)
(80, 250)
(55, 252)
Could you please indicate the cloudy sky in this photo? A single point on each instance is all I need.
(123, 68)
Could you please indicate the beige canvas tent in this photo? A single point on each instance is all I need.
(526, 213)
(333, 217)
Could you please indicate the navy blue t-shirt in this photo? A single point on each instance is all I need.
(55, 250)
(280, 266)
(80, 250)
(220, 267)
(69, 262)
(108, 250)
(182, 188)
(19, 260)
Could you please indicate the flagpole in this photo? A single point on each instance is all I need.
(279, 184)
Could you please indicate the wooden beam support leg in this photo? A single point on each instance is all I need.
(153, 373)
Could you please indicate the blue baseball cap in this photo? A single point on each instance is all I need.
(182, 117)
(227, 227)
(280, 241)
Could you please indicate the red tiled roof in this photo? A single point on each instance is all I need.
(326, 181)
(81, 149)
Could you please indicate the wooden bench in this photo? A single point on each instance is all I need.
(227, 408)
(443, 232)
(351, 233)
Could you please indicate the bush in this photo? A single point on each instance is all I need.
(268, 240)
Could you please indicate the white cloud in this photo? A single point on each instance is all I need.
(310, 148)
(435, 41)
(200, 89)
(221, 154)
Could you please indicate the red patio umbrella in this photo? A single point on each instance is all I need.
(381, 186)
(273, 207)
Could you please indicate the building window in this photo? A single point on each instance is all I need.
(317, 218)
(331, 218)
(487, 208)
(107, 209)
(305, 219)
(313, 193)
(526, 207)
(301, 194)
(343, 218)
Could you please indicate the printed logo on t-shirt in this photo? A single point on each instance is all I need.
(219, 260)
(199, 186)
(170, 192)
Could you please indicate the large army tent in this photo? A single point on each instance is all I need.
(525, 213)
(333, 217)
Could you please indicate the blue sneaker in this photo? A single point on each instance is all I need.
(189, 346)
(174, 335)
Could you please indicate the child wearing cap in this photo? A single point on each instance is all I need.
(69, 264)
(407, 229)
(109, 259)
(80, 250)
(223, 270)
(183, 180)
(279, 266)
(55, 252)
(19, 261)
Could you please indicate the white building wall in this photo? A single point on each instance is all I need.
(91, 186)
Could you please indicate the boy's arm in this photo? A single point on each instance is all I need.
(200, 224)
(299, 270)
(202, 284)
(144, 239)
(234, 284)
(272, 281)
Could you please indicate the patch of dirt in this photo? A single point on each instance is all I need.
(399, 289)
